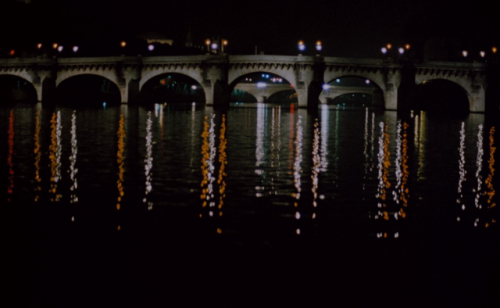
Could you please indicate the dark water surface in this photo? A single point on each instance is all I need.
(264, 205)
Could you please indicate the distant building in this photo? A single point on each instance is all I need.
(156, 37)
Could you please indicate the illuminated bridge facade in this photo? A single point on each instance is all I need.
(218, 75)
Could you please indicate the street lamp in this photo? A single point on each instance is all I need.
(465, 53)
(75, 49)
(482, 54)
(214, 47)
(494, 50)
(123, 43)
(319, 46)
(407, 46)
(401, 50)
(383, 50)
(224, 43)
(12, 52)
(389, 46)
(39, 46)
(207, 42)
(60, 48)
(302, 47)
(151, 47)
(55, 45)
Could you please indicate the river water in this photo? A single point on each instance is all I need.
(261, 205)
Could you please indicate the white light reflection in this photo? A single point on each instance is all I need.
(479, 164)
(397, 188)
(316, 165)
(72, 159)
(297, 169)
(461, 165)
(148, 162)
(259, 150)
(210, 163)
(324, 137)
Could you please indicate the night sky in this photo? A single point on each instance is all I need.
(347, 28)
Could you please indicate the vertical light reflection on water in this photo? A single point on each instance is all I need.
(490, 190)
(10, 188)
(404, 190)
(365, 149)
(120, 159)
(259, 150)
(55, 155)
(297, 169)
(324, 137)
(372, 141)
(38, 155)
(162, 115)
(208, 151)
(316, 167)
(461, 166)
(398, 163)
(383, 173)
(222, 170)
(148, 162)
(72, 159)
(205, 155)
(479, 166)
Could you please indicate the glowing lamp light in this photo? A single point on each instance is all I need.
(207, 42)
(384, 50)
(261, 85)
(407, 46)
(401, 50)
(60, 48)
(367, 81)
(326, 86)
(123, 44)
(482, 54)
(389, 46)
(151, 47)
(337, 80)
(494, 50)
(214, 46)
(224, 42)
(75, 49)
(193, 87)
(465, 53)
(55, 45)
(39, 45)
(163, 82)
(12, 52)
(302, 47)
(319, 46)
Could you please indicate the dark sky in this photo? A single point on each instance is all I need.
(347, 28)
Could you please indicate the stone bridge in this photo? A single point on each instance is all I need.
(218, 75)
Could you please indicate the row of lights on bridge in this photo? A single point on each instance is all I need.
(302, 46)
(482, 53)
(401, 50)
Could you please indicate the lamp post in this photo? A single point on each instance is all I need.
(224, 43)
(301, 46)
(319, 46)
(207, 42)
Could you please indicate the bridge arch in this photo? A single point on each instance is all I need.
(15, 88)
(68, 83)
(176, 86)
(261, 94)
(372, 88)
(444, 96)
(195, 74)
(475, 92)
(23, 74)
